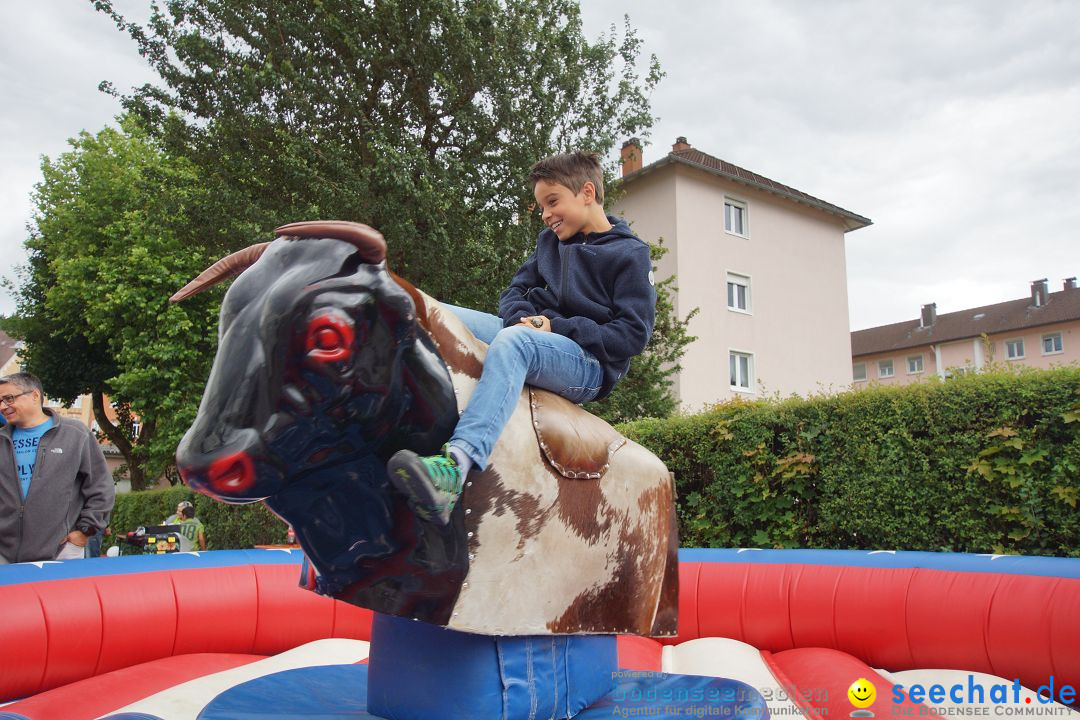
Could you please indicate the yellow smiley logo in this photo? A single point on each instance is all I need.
(862, 693)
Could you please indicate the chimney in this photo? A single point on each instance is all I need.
(929, 315)
(630, 157)
(680, 144)
(1070, 283)
(1040, 292)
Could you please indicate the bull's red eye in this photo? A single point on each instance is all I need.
(329, 338)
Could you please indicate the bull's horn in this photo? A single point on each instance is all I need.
(223, 269)
(367, 240)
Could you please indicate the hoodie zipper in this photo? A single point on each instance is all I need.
(562, 277)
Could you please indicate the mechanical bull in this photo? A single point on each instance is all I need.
(328, 364)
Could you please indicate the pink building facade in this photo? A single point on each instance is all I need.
(763, 262)
(1042, 330)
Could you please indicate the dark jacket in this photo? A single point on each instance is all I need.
(596, 289)
(70, 487)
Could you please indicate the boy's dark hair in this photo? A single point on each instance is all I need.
(25, 382)
(188, 512)
(572, 170)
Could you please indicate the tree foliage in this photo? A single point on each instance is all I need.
(418, 118)
(112, 237)
(984, 462)
(646, 389)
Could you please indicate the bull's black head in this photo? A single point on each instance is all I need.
(322, 372)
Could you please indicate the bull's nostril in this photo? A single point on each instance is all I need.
(232, 473)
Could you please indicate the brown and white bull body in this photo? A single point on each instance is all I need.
(570, 529)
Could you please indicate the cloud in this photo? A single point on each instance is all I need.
(952, 124)
(54, 56)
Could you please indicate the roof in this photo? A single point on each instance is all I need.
(1012, 315)
(8, 347)
(703, 161)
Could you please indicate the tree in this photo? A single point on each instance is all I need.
(112, 237)
(419, 118)
(646, 389)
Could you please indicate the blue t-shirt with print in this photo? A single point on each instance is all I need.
(26, 444)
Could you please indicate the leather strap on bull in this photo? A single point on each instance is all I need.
(577, 444)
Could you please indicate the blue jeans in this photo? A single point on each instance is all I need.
(518, 355)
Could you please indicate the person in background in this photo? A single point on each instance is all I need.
(191, 528)
(175, 518)
(55, 488)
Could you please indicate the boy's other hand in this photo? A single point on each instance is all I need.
(536, 322)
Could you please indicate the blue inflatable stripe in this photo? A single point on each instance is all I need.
(959, 562)
(127, 564)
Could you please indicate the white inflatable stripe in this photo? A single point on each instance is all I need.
(186, 701)
(726, 658)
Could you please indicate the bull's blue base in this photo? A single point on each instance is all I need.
(420, 671)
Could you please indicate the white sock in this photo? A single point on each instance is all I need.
(464, 462)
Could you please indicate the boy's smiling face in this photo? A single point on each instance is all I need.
(565, 212)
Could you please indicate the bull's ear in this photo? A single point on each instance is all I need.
(367, 240)
(223, 269)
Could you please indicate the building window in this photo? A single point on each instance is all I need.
(742, 371)
(1052, 344)
(738, 293)
(914, 364)
(858, 372)
(735, 220)
(1014, 349)
(884, 368)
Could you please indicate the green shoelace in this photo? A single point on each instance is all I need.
(444, 472)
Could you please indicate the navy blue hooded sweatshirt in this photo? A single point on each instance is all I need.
(596, 289)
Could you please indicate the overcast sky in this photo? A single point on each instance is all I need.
(954, 126)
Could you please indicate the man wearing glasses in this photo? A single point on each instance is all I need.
(55, 489)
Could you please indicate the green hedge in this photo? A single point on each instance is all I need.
(227, 526)
(979, 463)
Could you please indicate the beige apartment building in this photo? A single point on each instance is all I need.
(765, 264)
(1041, 330)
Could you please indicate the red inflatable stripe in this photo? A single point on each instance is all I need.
(97, 696)
(68, 630)
(817, 680)
(1013, 626)
(639, 653)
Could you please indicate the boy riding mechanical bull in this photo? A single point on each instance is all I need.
(580, 307)
(426, 473)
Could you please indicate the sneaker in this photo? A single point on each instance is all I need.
(431, 484)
